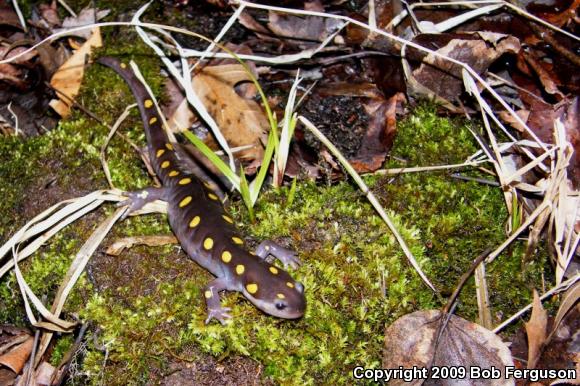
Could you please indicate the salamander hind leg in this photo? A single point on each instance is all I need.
(285, 255)
(212, 300)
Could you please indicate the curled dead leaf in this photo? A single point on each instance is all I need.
(313, 28)
(478, 51)
(15, 358)
(410, 341)
(67, 80)
(242, 121)
(536, 331)
(569, 299)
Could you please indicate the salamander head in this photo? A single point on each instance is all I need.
(275, 292)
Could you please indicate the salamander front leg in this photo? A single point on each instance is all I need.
(212, 300)
(137, 200)
(285, 255)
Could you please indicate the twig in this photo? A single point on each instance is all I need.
(67, 7)
(513, 85)
(64, 364)
(372, 14)
(30, 368)
(30, 365)
(556, 46)
(482, 294)
(464, 278)
(478, 180)
(112, 132)
(449, 308)
(219, 36)
(20, 16)
(517, 232)
(16, 124)
(161, 27)
(427, 168)
(92, 115)
(474, 3)
(562, 287)
(76, 269)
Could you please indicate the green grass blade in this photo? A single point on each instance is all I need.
(291, 193)
(245, 192)
(257, 183)
(217, 161)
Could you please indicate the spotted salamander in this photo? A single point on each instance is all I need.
(205, 230)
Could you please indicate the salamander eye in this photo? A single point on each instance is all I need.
(280, 306)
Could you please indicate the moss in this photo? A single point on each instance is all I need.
(62, 346)
(457, 219)
(356, 276)
(148, 303)
(347, 309)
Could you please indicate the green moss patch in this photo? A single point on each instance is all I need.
(146, 305)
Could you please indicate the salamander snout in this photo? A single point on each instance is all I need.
(283, 299)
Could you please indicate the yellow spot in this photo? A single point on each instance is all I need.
(123, 65)
(274, 270)
(252, 288)
(280, 296)
(226, 256)
(160, 152)
(212, 196)
(165, 164)
(152, 120)
(289, 284)
(240, 269)
(185, 201)
(194, 222)
(207, 294)
(173, 173)
(208, 243)
(237, 240)
(206, 185)
(169, 146)
(227, 218)
(148, 103)
(184, 181)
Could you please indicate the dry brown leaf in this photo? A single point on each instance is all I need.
(13, 73)
(8, 17)
(478, 51)
(67, 80)
(536, 331)
(175, 108)
(380, 133)
(242, 121)
(85, 17)
(49, 14)
(16, 357)
(410, 341)
(313, 28)
(7, 377)
(43, 374)
(153, 241)
(569, 299)
(545, 76)
(509, 119)
(252, 24)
